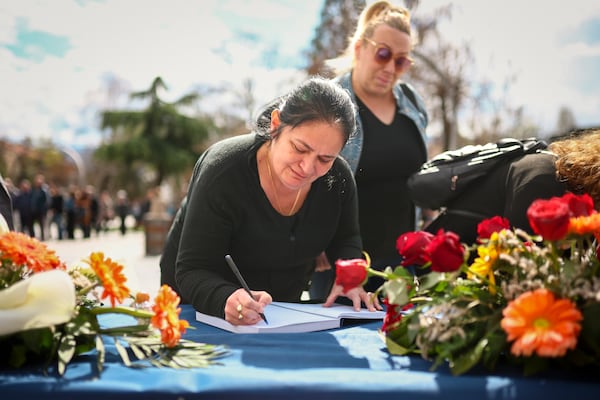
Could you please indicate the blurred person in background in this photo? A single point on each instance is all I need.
(22, 205)
(40, 201)
(122, 210)
(390, 142)
(57, 206)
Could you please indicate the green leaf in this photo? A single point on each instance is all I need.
(139, 354)
(396, 349)
(396, 291)
(122, 352)
(66, 351)
(465, 362)
(101, 353)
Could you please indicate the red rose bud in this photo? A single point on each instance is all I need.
(579, 205)
(411, 246)
(549, 218)
(351, 273)
(491, 225)
(446, 252)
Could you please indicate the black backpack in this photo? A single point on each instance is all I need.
(445, 176)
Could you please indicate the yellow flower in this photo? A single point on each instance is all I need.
(166, 316)
(111, 276)
(539, 323)
(483, 265)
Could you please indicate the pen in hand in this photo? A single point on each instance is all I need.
(237, 273)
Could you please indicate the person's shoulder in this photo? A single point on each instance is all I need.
(535, 161)
(225, 156)
(533, 168)
(339, 174)
(229, 149)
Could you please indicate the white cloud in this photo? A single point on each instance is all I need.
(134, 41)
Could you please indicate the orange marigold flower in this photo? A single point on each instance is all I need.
(166, 316)
(585, 225)
(24, 251)
(111, 277)
(141, 297)
(539, 323)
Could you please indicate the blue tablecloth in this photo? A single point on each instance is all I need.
(346, 363)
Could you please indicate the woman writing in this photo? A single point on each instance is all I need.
(273, 199)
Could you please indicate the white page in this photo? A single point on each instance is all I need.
(294, 317)
(338, 311)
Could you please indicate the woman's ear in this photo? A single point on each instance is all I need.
(275, 122)
(357, 48)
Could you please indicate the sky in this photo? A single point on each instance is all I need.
(63, 61)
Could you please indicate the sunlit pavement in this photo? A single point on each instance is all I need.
(142, 271)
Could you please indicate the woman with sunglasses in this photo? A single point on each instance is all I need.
(273, 199)
(390, 142)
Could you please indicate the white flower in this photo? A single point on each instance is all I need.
(3, 225)
(42, 300)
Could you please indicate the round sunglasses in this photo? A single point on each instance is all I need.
(383, 55)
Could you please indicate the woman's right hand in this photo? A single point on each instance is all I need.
(242, 309)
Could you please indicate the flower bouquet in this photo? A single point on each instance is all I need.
(531, 300)
(51, 313)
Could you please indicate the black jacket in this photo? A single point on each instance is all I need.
(507, 191)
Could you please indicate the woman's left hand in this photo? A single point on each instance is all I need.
(357, 295)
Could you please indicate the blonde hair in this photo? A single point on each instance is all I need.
(377, 14)
(578, 163)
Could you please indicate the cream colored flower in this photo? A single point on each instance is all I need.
(3, 225)
(42, 300)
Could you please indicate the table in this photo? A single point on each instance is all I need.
(347, 363)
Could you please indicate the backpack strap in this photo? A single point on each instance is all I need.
(409, 93)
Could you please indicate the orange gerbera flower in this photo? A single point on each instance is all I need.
(166, 316)
(111, 277)
(539, 323)
(585, 225)
(24, 251)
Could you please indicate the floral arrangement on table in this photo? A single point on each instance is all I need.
(51, 313)
(532, 300)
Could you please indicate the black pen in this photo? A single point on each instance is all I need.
(236, 271)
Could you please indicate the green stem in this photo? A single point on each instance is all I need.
(381, 274)
(137, 313)
(120, 330)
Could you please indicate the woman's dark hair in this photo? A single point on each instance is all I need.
(315, 100)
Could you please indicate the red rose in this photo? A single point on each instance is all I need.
(579, 205)
(549, 218)
(351, 273)
(411, 246)
(491, 225)
(392, 316)
(446, 252)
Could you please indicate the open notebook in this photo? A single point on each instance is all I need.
(296, 317)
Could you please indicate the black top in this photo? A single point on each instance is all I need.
(227, 212)
(391, 153)
(507, 191)
(6, 208)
